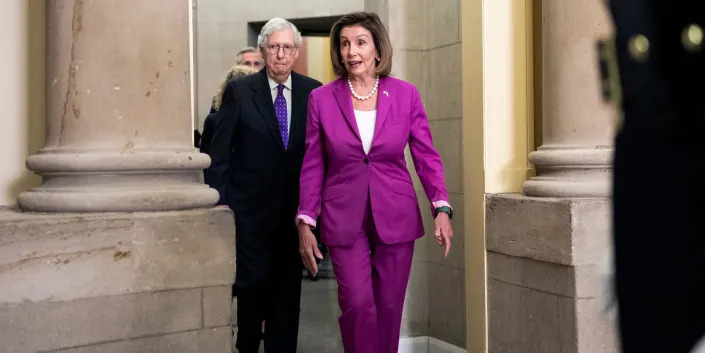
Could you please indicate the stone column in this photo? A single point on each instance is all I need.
(544, 286)
(118, 139)
(575, 157)
(119, 134)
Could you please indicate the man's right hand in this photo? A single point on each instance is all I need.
(308, 248)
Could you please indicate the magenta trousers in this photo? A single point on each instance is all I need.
(372, 279)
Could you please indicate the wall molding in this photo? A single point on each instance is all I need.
(426, 344)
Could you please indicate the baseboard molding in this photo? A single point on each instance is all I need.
(413, 344)
(425, 344)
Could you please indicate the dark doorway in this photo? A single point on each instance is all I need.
(309, 27)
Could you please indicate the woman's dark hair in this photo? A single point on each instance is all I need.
(371, 22)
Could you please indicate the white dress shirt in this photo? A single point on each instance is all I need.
(287, 95)
(366, 126)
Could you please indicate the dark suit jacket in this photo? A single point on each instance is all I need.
(207, 135)
(253, 172)
(204, 145)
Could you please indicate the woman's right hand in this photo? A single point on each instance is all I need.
(308, 248)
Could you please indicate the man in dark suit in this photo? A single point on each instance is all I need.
(257, 150)
(659, 174)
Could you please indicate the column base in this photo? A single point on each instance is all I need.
(544, 284)
(570, 172)
(117, 282)
(572, 186)
(118, 182)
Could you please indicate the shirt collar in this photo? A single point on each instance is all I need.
(273, 84)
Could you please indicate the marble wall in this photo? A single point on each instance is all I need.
(427, 52)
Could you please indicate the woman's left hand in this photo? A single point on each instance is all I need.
(443, 231)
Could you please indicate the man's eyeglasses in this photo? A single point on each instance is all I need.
(274, 48)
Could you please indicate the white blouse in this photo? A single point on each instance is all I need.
(366, 126)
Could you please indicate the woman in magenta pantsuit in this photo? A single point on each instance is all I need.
(354, 175)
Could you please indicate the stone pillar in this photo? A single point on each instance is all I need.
(119, 135)
(545, 247)
(575, 157)
(118, 142)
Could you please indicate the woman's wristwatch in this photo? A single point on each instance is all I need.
(445, 209)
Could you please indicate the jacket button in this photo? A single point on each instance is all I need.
(366, 161)
(692, 38)
(638, 47)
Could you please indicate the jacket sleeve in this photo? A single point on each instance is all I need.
(207, 134)
(313, 168)
(224, 124)
(427, 161)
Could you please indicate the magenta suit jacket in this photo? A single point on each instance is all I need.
(336, 174)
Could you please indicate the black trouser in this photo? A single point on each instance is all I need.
(268, 288)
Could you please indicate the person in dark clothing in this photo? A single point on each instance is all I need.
(248, 61)
(257, 149)
(196, 138)
(659, 174)
(235, 72)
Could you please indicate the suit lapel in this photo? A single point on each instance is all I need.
(297, 130)
(342, 96)
(263, 100)
(384, 101)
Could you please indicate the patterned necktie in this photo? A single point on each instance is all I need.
(280, 109)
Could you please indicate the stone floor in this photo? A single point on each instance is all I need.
(318, 328)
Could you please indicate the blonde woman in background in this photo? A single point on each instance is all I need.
(235, 72)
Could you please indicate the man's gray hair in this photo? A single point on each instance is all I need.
(274, 25)
(238, 57)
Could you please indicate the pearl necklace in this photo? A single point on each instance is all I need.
(363, 98)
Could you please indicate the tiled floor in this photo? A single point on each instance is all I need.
(318, 328)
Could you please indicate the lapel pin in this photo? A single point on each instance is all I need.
(386, 93)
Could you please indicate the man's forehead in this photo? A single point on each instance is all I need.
(283, 35)
(252, 55)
